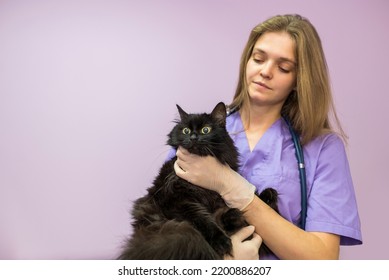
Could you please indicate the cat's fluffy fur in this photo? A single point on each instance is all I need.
(178, 220)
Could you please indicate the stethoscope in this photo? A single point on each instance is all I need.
(300, 164)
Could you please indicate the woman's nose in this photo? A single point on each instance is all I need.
(266, 71)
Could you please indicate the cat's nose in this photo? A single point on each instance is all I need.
(193, 136)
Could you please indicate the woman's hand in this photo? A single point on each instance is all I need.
(245, 249)
(205, 171)
(209, 173)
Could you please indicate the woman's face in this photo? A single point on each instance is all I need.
(271, 70)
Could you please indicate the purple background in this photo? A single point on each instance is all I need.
(88, 92)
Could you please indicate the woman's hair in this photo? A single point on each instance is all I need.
(309, 105)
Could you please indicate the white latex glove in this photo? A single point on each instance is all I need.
(209, 173)
(245, 249)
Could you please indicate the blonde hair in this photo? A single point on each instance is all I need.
(309, 106)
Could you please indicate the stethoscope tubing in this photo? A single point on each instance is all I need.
(302, 172)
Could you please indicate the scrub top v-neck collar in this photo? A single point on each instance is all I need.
(265, 148)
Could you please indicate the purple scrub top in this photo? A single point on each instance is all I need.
(331, 203)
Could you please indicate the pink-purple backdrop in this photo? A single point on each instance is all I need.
(88, 92)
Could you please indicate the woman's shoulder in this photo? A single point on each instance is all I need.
(327, 152)
(329, 140)
(234, 123)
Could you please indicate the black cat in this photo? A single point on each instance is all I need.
(178, 220)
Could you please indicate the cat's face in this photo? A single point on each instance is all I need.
(202, 134)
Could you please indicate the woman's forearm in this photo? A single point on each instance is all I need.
(286, 240)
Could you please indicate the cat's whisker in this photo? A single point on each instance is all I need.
(210, 151)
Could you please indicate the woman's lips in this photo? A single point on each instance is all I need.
(263, 85)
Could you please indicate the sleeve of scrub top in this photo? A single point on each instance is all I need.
(332, 204)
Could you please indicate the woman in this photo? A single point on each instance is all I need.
(283, 72)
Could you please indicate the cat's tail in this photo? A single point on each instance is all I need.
(171, 240)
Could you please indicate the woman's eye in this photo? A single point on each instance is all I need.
(286, 67)
(284, 70)
(205, 130)
(258, 60)
(186, 130)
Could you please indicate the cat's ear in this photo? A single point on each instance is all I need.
(183, 114)
(219, 113)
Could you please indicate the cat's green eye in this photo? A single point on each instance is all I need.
(206, 130)
(186, 130)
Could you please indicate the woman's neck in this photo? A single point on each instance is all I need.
(259, 118)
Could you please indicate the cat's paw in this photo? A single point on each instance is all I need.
(233, 220)
(270, 197)
(221, 243)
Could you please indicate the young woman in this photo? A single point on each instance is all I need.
(283, 73)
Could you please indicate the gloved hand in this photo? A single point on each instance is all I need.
(209, 173)
(245, 249)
